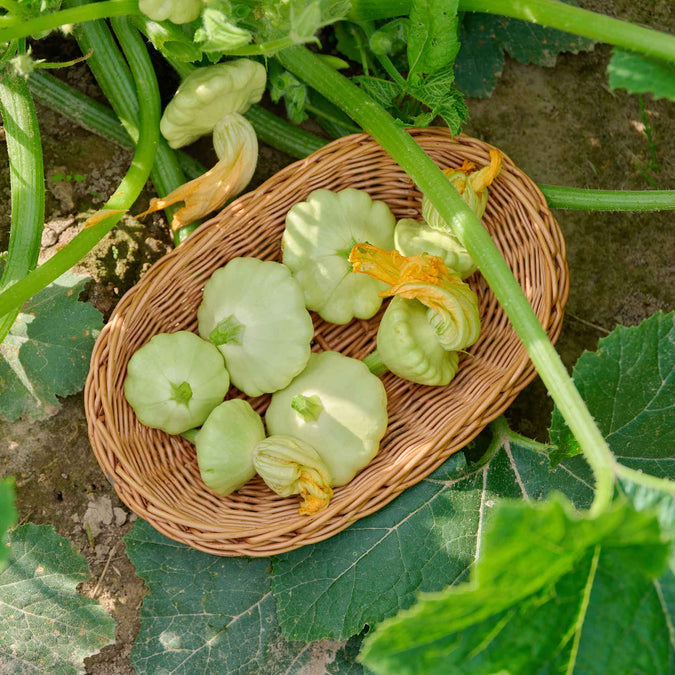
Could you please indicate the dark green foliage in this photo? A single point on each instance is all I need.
(46, 626)
(47, 351)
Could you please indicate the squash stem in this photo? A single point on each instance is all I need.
(431, 180)
(375, 363)
(309, 407)
(182, 393)
(559, 197)
(27, 182)
(228, 332)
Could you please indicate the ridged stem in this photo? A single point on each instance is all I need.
(92, 115)
(26, 170)
(559, 197)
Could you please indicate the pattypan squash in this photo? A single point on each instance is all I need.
(452, 305)
(175, 380)
(291, 467)
(254, 312)
(176, 11)
(320, 232)
(412, 237)
(471, 184)
(338, 407)
(409, 347)
(225, 446)
(214, 98)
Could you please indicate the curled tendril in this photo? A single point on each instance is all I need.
(471, 184)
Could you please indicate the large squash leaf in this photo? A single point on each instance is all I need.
(486, 37)
(629, 387)
(204, 614)
(553, 591)
(638, 75)
(46, 626)
(425, 540)
(47, 351)
(432, 38)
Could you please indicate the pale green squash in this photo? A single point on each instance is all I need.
(225, 446)
(338, 407)
(175, 380)
(254, 312)
(320, 233)
(409, 347)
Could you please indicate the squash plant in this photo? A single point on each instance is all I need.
(612, 520)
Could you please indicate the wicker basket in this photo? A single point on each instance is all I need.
(156, 475)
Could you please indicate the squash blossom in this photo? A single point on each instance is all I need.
(213, 98)
(290, 466)
(453, 306)
(471, 184)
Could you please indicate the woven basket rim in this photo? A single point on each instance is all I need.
(253, 521)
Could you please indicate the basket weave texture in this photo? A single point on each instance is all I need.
(156, 475)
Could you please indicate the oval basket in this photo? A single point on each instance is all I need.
(156, 475)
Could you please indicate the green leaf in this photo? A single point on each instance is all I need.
(345, 662)
(284, 85)
(423, 541)
(639, 74)
(578, 596)
(439, 93)
(47, 351)
(382, 91)
(485, 38)
(629, 387)
(204, 614)
(350, 41)
(7, 517)
(45, 624)
(432, 36)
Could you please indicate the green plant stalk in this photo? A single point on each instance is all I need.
(430, 179)
(547, 13)
(559, 197)
(653, 482)
(91, 115)
(128, 190)
(113, 77)
(500, 427)
(78, 108)
(374, 363)
(570, 19)
(27, 185)
(88, 12)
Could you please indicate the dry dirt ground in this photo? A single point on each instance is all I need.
(561, 125)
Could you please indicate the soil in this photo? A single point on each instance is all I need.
(561, 125)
